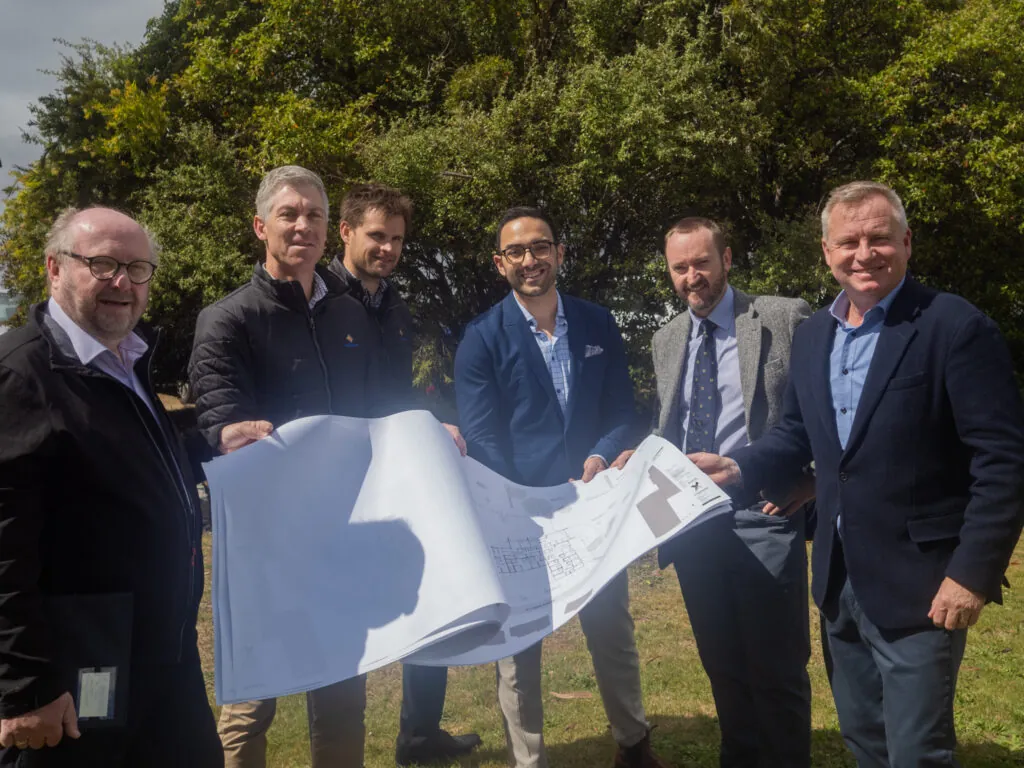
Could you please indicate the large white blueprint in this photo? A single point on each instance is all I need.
(341, 545)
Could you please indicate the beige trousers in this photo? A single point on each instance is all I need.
(608, 628)
(336, 729)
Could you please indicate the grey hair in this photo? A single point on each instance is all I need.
(287, 176)
(60, 239)
(857, 192)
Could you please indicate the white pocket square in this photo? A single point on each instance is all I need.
(593, 349)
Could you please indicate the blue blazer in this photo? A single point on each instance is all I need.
(931, 482)
(508, 411)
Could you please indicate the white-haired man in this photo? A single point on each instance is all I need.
(99, 524)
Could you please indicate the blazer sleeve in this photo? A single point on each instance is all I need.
(989, 419)
(775, 462)
(220, 374)
(655, 426)
(27, 463)
(617, 407)
(801, 311)
(478, 400)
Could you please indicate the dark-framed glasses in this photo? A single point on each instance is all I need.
(107, 267)
(541, 249)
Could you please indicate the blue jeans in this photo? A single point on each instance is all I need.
(893, 688)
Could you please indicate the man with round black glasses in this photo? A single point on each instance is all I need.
(139, 272)
(99, 524)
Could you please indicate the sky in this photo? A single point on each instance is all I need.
(27, 32)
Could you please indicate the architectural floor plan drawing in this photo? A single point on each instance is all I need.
(554, 552)
(385, 544)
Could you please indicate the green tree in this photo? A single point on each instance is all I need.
(616, 115)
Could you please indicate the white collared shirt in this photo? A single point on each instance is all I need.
(94, 354)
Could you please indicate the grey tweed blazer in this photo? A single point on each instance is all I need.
(764, 336)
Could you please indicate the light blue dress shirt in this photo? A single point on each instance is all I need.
(555, 351)
(852, 350)
(731, 428)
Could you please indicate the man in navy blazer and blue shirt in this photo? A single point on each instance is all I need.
(544, 395)
(905, 399)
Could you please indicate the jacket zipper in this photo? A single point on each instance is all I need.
(179, 487)
(320, 358)
(176, 477)
(192, 514)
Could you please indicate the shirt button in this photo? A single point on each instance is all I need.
(846, 371)
(843, 477)
(842, 410)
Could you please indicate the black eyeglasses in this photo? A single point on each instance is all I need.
(541, 249)
(106, 268)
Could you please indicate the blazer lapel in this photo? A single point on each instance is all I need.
(896, 333)
(748, 343)
(820, 356)
(522, 336)
(578, 351)
(672, 353)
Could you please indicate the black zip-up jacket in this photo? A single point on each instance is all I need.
(261, 354)
(393, 341)
(396, 334)
(96, 498)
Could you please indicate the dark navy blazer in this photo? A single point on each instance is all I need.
(931, 482)
(508, 411)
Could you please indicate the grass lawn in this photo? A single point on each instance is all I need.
(989, 703)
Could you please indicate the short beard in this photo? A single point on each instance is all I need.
(717, 292)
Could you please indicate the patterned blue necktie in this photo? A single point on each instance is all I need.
(705, 400)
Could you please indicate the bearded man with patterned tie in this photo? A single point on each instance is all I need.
(721, 371)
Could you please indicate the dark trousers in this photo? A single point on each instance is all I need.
(744, 581)
(423, 691)
(169, 725)
(893, 689)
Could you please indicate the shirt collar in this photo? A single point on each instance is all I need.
(319, 290)
(723, 315)
(841, 306)
(559, 313)
(88, 348)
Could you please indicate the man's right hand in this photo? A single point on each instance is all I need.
(43, 727)
(242, 433)
(723, 471)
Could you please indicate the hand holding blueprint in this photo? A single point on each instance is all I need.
(342, 545)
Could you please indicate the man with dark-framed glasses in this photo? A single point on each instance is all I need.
(99, 523)
(544, 395)
(139, 271)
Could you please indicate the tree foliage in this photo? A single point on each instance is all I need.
(616, 115)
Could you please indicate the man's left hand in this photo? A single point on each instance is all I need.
(955, 606)
(592, 466)
(460, 442)
(800, 495)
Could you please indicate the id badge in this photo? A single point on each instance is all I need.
(96, 688)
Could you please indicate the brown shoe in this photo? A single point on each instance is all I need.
(640, 755)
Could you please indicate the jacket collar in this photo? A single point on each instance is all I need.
(351, 284)
(86, 347)
(895, 336)
(289, 292)
(62, 350)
